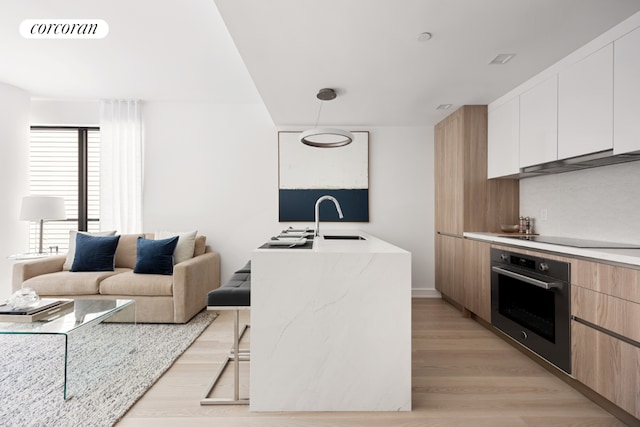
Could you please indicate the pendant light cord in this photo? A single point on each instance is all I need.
(319, 111)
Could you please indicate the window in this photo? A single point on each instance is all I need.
(65, 162)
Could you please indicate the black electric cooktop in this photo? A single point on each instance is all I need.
(576, 243)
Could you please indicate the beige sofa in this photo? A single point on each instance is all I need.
(159, 298)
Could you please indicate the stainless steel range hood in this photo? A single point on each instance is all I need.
(602, 158)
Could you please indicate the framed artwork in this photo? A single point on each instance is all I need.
(307, 173)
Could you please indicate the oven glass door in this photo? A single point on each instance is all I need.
(538, 318)
(529, 306)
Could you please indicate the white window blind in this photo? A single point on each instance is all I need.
(54, 170)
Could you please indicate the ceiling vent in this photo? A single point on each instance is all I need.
(502, 59)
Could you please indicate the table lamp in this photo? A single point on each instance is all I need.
(41, 208)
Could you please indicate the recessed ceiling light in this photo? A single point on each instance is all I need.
(423, 37)
(502, 59)
(444, 106)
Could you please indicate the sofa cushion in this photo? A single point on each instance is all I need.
(186, 244)
(236, 292)
(130, 283)
(72, 245)
(126, 252)
(245, 268)
(155, 256)
(94, 253)
(70, 283)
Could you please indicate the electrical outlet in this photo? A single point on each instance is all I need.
(543, 214)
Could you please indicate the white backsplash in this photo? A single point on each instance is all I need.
(601, 203)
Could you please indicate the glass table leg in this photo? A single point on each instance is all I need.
(100, 350)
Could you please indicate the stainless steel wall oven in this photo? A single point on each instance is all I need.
(530, 302)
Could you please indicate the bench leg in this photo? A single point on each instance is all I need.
(236, 357)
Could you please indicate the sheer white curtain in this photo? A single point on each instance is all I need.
(121, 165)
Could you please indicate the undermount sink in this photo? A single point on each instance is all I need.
(338, 237)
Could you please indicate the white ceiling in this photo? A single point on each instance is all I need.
(155, 50)
(366, 49)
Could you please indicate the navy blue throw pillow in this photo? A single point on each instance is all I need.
(95, 253)
(155, 256)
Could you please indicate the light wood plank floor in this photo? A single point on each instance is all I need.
(463, 375)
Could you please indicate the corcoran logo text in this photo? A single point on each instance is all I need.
(64, 29)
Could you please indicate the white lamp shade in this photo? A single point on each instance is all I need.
(36, 208)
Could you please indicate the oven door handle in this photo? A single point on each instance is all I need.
(526, 279)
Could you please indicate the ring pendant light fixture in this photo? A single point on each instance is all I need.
(325, 137)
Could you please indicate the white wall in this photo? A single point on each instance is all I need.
(212, 168)
(64, 112)
(598, 204)
(215, 168)
(401, 197)
(14, 148)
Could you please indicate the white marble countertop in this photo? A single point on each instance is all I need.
(623, 256)
(371, 244)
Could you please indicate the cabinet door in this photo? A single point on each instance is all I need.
(449, 262)
(539, 123)
(585, 105)
(626, 89)
(503, 157)
(477, 278)
(449, 175)
(607, 365)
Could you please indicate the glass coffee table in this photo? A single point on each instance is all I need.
(86, 314)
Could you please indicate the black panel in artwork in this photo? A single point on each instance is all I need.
(298, 205)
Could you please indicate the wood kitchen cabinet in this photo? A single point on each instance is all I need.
(463, 273)
(585, 105)
(608, 366)
(605, 305)
(449, 262)
(465, 200)
(449, 178)
(477, 278)
(626, 90)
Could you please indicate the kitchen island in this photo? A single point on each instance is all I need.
(331, 326)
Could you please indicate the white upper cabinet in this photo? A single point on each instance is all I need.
(539, 123)
(585, 105)
(626, 98)
(503, 140)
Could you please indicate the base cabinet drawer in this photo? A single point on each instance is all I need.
(619, 282)
(607, 365)
(611, 313)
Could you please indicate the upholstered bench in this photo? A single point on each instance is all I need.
(234, 295)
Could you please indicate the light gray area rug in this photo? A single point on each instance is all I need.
(107, 374)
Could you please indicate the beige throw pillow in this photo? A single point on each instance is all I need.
(72, 245)
(186, 244)
(201, 245)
